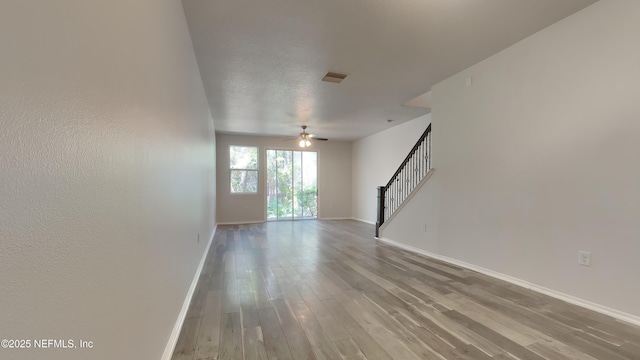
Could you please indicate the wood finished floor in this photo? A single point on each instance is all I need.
(328, 290)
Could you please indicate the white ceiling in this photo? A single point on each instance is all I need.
(262, 60)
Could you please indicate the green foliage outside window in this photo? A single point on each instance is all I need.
(243, 165)
(292, 190)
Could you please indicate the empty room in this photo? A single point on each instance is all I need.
(416, 179)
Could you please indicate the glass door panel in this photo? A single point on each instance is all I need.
(284, 179)
(297, 183)
(292, 190)
(272, 201)
(309, 185)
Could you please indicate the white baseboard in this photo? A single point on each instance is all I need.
(364, 221)
(173, 339)
(241, 222)
(620, 315)
(336, 218)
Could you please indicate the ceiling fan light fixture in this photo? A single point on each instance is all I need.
(304, 142)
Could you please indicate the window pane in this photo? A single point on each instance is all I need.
(284, 161)
(297, 184)
(244, 181)
(310, 184)
(243, 157)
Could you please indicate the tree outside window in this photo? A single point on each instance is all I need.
(243, 168)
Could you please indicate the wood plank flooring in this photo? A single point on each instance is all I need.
(327, 290)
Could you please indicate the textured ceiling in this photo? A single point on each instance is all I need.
(261, 61)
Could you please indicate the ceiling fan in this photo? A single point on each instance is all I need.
(304, 140)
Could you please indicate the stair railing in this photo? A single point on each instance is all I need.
(412, 170)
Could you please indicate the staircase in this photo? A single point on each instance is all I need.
(408, 176)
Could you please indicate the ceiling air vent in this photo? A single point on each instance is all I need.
(334, 77)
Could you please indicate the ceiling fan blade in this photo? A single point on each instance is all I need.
(313, 136)
(309, 136)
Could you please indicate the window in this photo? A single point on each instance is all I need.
(243, 168)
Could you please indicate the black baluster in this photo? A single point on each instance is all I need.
(381, 194)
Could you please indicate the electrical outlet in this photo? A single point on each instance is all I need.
(584, 258)
(424, 227)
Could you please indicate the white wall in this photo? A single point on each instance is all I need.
(416, 222)
(107, 174)
(539, 158)
(376, 158)
(334, 179)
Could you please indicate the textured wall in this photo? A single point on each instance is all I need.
(334, 179)
(538, 159)
(107, 174)
(416, 223)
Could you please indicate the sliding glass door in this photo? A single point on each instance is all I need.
(292, 184)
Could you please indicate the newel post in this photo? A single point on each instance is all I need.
(380, 219)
